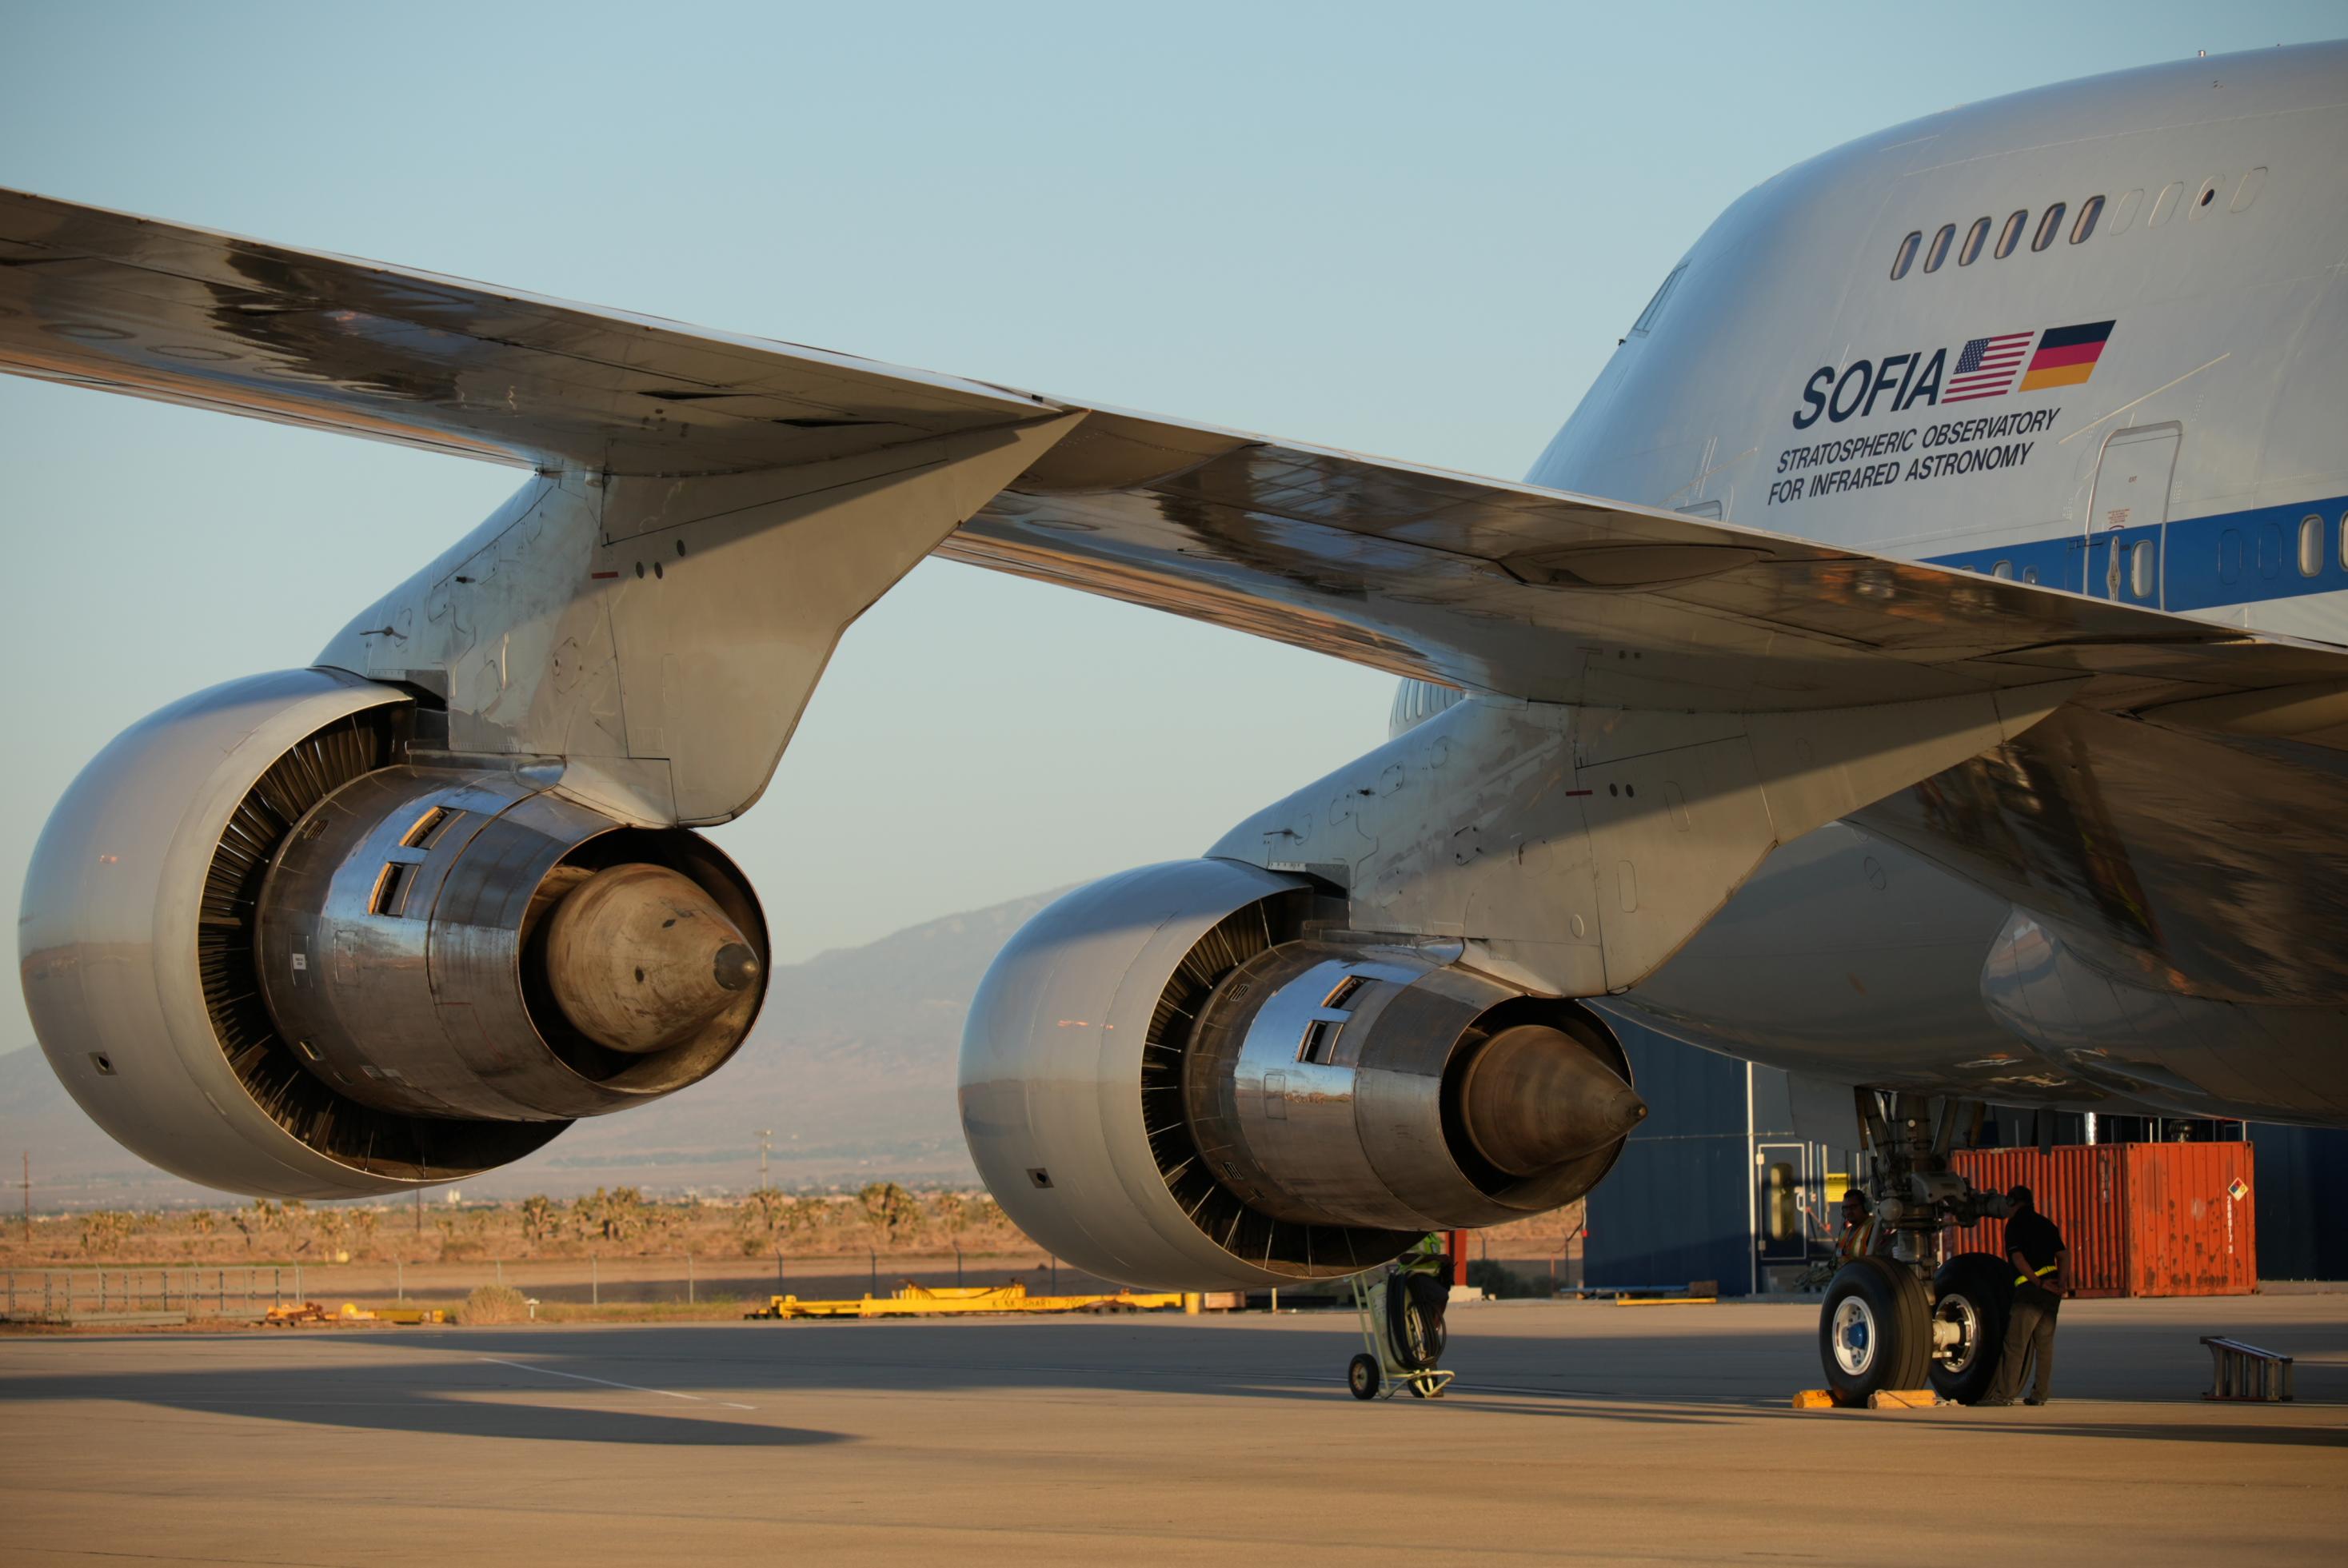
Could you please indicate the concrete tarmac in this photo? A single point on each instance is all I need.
(1576, 1431)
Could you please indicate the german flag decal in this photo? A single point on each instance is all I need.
(2066, 355)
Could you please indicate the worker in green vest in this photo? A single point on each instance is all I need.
(1429, 1256)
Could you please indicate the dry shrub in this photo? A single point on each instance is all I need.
(495, 1303)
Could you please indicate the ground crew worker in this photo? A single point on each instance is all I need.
(1428, 1257)
(1860, 1233)
(2042, 1266)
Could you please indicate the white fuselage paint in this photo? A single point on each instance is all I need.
(2191, 456)
(2215, 258)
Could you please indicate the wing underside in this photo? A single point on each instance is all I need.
(1473, 582)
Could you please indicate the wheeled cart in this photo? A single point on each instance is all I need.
(1385, 1365)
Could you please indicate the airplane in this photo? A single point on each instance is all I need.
(1918, 664)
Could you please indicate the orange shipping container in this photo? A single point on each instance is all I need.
(2140, 1219)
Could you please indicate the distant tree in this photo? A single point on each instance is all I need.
(764, 1216)
(104, 1231)
(538, 1218)
(203, 1222)
(889, 1210)
(657, 1224)
(615, 1216)
(263, 1218)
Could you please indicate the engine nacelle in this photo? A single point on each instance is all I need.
(268, 954)
(1189, 1076)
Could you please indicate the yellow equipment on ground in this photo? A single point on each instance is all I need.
(286, 1314)
(353, 1313)
(291, 1313)
(925, 1301)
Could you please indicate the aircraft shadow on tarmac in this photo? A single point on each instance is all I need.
(1228, 1361)
(474, 1400)
(558, 1385)
(1989, 1421)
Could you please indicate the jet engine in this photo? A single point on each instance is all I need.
(268, 952)
(1192, 1076)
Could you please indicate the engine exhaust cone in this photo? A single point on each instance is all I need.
(1531, 1099)
(639, 958)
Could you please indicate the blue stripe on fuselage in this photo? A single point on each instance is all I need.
(2226, 558)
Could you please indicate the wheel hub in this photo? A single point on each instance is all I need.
(1956, 1332)
(1854, 1336)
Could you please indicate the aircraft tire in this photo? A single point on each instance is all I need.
(1362, 1377)
(1415, 1333)
(1874, 1329)
(1976, 1291)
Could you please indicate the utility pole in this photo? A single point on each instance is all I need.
(419, 1211)
(765, 1138)
(29, 1195)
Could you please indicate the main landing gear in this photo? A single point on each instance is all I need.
(1889, 1319)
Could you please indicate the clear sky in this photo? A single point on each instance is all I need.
(1408, 230)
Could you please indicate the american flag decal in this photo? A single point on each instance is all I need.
(1987, 367)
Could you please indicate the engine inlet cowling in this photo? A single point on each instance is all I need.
(267, 952)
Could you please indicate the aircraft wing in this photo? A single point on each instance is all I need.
(1473, 582)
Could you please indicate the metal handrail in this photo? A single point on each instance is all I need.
(2239, 1371)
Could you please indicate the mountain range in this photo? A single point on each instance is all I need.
(851, 1069)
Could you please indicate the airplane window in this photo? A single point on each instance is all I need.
(2030, 574)
(1647, 322)
(2209, 194)
(2343, 539)
(2140, 569)
(1940, 251)
(1907, 256)
(2311, 544)
(2165, 203)
(2248, 191)
(1975, 237)
(2048, 227)
(2089, 211)
(2012, 233)
(2124, 212)
(2002, 570)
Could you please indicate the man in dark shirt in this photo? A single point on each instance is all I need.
(2040, 1277)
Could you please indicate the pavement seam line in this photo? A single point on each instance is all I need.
(631, 1387)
